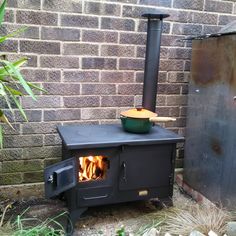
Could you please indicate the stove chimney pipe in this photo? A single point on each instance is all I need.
(154, 30)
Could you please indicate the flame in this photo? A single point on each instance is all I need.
(92, 168)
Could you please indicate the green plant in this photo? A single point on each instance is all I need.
(12, 83)
(203, 218)
(121, 231)
(24, 226)
(183, 219)
(156, 223)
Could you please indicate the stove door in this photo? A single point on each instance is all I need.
(146, 166)
(60, 177)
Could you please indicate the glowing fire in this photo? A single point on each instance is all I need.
(92, 168)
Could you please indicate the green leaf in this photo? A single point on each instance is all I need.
(4, 38)
(2, 90)
(18, 105)
(2, 78)
(36, 87)
(2, 11)
(20, 78)
(20, 62)
(4, 94)
(1, 137)
(121, 232)
(7, 71)
(14, 91)
(4, 119)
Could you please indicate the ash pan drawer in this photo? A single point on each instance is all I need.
(88, 196)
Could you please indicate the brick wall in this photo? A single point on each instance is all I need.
(89, 56)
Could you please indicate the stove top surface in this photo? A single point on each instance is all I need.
(84, 136)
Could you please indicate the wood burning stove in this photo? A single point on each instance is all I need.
(102, 165)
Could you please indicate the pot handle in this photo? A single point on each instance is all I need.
(161, 119)
(123, 117)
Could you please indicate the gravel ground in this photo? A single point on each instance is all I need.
(103, 220)
(106, 220)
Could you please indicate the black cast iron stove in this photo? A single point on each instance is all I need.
(131, 167)
(102, 164)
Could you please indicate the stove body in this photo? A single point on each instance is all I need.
(139, 166)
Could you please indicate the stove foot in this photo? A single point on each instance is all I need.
(167, 202)
(162, 203)
(74, 216)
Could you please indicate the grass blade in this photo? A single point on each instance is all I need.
(48, 227)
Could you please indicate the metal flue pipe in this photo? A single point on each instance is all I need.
(153, 44)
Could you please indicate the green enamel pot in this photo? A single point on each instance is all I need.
(140, 121)
(136, 125)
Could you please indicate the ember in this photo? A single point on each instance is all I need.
(92, 168)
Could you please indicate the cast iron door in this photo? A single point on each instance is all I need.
(145, 166)
(60, 177)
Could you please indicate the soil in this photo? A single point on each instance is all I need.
(102, 220)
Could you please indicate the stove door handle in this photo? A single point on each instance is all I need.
(96, 197)
(123, 165)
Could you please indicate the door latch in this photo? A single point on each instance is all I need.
(50, 179)
(124, 171)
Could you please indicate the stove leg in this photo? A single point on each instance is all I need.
(74, 216)
(167, 202)
(161, 203)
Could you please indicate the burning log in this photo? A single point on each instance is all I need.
(98, 171)
(92, 168)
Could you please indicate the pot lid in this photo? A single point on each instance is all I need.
(138, 113)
